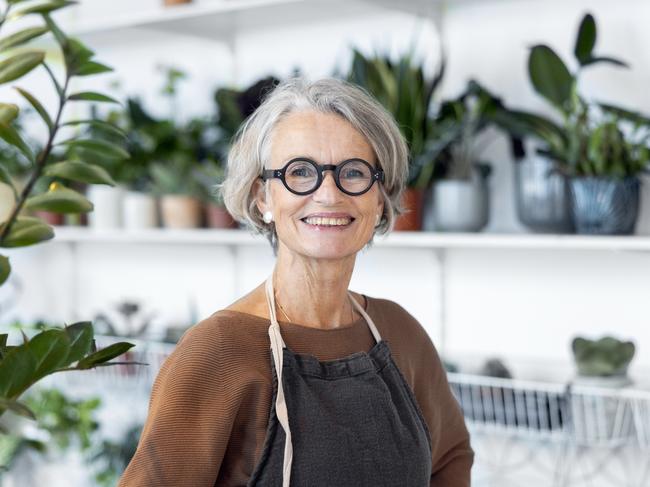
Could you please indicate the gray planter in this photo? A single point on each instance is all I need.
(542, 197)
(605, 206)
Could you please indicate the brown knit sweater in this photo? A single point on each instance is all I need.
(210, 403)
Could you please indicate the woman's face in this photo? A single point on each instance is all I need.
(326, 139)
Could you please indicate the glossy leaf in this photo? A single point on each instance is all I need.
(21, 37)
(92, 67)
(550, 76)
(92, 96)
(5, 269)
(37, 106)
(25, 231)
(12, 137)
(16, 370)
(81, 340)
(100, 147)
(19, 65)
(104, 355)
(50, 349)
(8, 113)
(60, 200)
(586, 39)
(80, 171)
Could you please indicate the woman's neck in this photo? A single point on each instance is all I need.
(313, 292)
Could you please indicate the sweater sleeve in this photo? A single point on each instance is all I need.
(192, 408)
(450, 440)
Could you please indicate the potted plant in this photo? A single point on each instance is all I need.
(600, 148)
(461, 201)
(209, 173)
(403, 88)
(602, 362)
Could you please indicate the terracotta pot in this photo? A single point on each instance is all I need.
(412, 201)
(50, 217)
(180, 211)
(218, 217)
(175, 2)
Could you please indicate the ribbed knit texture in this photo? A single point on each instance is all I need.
(210, 403)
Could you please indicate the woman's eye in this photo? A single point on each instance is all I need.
(352, 173)
(302, 172)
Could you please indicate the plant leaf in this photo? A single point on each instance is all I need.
(104, 355)
(5, 177)
(92, 67)
(43, 8)
(60, 37)
(50, 349)
(19, 65)
(80, 171)
(76, 54)
(81, 340)
(101, 124)
(12, 137)
(60, 200)
(605, 59)
(92, 96)
(5, 269)
(21, 37)
(8, 113)
(26, 231)
(16, 370)
(99, 147)
(37, 106)
(586, 39)
(550, 76)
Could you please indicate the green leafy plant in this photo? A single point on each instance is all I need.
(72, 347)
(605, 357)
(402, 87)
(593, 139)
(113, 457)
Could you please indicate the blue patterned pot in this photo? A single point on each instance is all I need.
(605, 206)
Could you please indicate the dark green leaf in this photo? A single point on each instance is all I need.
(17, 407)
(60, 200)
(76, 54)
(549, 76)
(19, 65)
(16, 371)
(81, 339)
(92, 67)
(586, 39)
(8, 113)
(26, 231)
(50, 349)
(629, 115)
(100, 147)
(605, 59)
(12, 137)
(80, 171)
(92, 96)
(5, 269)
(37, 106)
(21, 37)
(60, 37)
(104, 355)
(42, 8)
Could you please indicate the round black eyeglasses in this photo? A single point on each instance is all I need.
(303, 176)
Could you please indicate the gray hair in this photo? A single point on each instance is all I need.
(250, 149)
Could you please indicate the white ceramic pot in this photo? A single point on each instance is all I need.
(460, 206)
(107, 201)
(180, 211)
(139, 210)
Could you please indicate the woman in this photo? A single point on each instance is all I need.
(363, 399)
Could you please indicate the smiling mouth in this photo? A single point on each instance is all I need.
(327, 222)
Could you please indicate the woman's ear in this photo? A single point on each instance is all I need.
(259, 192)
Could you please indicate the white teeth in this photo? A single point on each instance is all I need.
(328, 221)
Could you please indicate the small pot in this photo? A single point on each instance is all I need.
(140, 210)
(180, 211)
(411, 220)
(107, 201)
(604, 205)
(218, 217)
(168, 3)
(50, 217)
(461, 205)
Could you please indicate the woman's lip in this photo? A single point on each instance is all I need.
(328, 215)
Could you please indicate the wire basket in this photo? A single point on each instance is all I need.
(640, 404)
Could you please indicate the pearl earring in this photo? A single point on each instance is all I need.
(267, 217)
(378, 220)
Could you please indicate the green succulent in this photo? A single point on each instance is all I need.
(605, 357)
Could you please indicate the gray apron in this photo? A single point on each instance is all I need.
(353, 421)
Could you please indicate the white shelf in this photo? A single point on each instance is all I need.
(424, 240)
(220, 19)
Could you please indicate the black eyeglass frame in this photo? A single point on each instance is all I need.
(376, 175)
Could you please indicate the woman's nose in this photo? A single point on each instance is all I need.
(328, 191)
